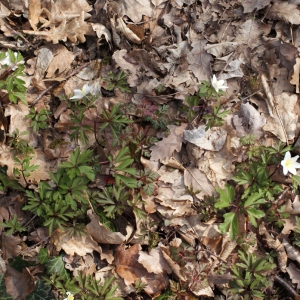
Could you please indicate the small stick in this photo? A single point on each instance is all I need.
(287, 287)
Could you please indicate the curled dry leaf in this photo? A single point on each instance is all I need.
(294, 273)
(276, 245)
(128, 267)
(100, 233)
(291, 251)
(212, 139)
(154, 262)
(293, 208)
(80, 245)
(295, 76)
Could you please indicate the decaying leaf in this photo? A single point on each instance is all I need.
(100, 233)
(173, 140)
(294, 273)
(291, 251)
(276, 245)
(212, 139)
(128, 267)
(295, 78)
(18, 285)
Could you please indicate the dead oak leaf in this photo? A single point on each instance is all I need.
(128, 268)
(169, 144)
(295, 76)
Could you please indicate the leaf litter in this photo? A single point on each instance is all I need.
(148, 56)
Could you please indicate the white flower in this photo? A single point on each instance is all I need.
(70, 296)
(79, 94)
(218, 84)
(7, 62)
(290, 163)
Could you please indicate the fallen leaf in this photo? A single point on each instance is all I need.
(173, 140)
(198, 181)
(18, 285)
(212, 139)
(295, 76)
(100, 233)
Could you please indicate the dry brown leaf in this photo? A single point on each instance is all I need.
(173, 265)
(284, 11)
(34, 11)
(154, 262)
(18, 285)
(295, 77)
(10, 246)
(135, 9)
(128, 267)
(4, 11)
(198, 181)
(212, 139)
(293, 208)
(199, 60)
(294, 273)
(250, 5)
(286, 106)
(80, 245)
(276, 245)
(61, 61)
(100, 233)
(169, 144)
(291, 251)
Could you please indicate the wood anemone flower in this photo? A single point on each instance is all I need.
(290, 164)
(7, 62)
(70, 296)
(79, 94)
(218, 84)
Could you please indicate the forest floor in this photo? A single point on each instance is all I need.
(148, 149)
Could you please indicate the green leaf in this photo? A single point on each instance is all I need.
(255, 214)
(226, 196)
(55, 265)
(10, 183)
(231, 224)
(43, 255)
(254, 199)
(41, 292)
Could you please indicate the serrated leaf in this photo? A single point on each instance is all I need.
(230, 223)
(254, 199)
(226, 196)
(254, 214)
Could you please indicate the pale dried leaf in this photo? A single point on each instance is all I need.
(154, 262)
(199, 60)
(291, 251)
(198, 181)
(173, 140)
(284, 11)
(294, 273)
(286, 106)
(250, 5)
(61, 61)
(100, 233)
(10, 246)
(212, 139)
(34, 11)
(295, 77)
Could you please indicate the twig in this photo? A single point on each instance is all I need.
(287, 287)
(39, 97)
(19, 35)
